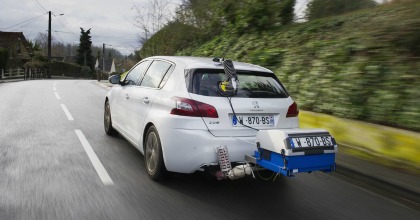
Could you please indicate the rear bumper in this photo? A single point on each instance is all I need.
(185, 151)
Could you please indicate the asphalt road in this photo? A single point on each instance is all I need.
(57, 163)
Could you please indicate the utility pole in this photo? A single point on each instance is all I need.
(103, 59)
(49, 44)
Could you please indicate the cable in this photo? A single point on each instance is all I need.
(40, 6)
(64, 25)
(274, 179)
(58, 35)
(24, 21)
(264, 178)
(26, 24)
(34, 28)
(234, 114)
(66, 32)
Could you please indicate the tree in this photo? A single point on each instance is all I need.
(84, 51)
(173, 37)
(287, 11)
(34, 46)
(57, 48)
(325, 8)
(261, 15)
(151, 17)
(203, 15)
(210, 17)
(197, 21)
(41, 40)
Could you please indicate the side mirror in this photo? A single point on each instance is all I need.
(114, 79)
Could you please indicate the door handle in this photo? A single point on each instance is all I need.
(126, 96)
(146, 100)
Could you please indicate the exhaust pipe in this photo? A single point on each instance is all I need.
(226, 171)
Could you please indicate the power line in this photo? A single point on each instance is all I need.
(35, 28)
(63, 32)
(34, 18)
(62, 41)
(26, 24)
(64, 25)
(40, 6)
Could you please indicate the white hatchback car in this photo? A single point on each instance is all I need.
(172, 110)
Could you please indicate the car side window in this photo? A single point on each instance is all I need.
(166, 77)
(155, 75)
(134, 75)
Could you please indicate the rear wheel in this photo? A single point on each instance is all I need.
(153, 156)
(109, 130)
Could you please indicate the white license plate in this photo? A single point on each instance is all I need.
(320, 141)
(253, 120)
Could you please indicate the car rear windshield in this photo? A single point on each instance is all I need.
(251, 84)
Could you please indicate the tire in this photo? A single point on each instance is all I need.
(153, 157)
(109, 130)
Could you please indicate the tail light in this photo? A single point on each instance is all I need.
(293, 111)
(189, 107)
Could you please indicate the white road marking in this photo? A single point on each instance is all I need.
(54, 88)
(66, 111)
(100, 169)
(56, 95)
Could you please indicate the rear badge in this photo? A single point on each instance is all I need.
(213, 122)
(255, 103)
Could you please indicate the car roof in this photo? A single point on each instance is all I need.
(207, 63)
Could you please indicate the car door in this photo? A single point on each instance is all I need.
(142, 97)
(122, 96)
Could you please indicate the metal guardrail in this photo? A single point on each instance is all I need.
(394, 144)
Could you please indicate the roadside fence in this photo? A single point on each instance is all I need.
(26, 73)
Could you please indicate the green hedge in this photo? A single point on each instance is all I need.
(66, 69)
(364, 65)
(4, 57)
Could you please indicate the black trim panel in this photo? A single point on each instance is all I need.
(305, 149)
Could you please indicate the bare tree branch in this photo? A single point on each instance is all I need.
(151, 17)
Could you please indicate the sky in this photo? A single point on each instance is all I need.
(111, 21)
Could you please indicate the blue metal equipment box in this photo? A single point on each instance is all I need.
(291, 151)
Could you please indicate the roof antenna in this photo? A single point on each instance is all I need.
(229, 87)
(224, 54)
(218, 60)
